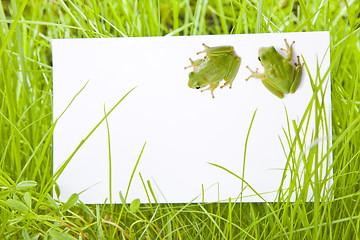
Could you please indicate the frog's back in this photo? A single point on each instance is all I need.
(279, 71)
(282, 76)
(214, 69)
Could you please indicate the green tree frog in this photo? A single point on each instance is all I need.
(280, 75)
(219, 63)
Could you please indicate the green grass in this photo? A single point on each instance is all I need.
(27, 211)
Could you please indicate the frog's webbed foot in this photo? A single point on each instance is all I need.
(227, 83)
(195, 63)
(230, 76)
(288, 50)
(255, 74)
(298, 63)
(211, 88)
(204, 51)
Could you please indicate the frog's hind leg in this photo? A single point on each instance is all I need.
(230, 76)
(271, 88)
(217, 51)
(227, 83)
(211, 88)
(288, 50)
(297, 78)
(204, 51)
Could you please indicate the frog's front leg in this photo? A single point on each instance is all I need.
(255, 74)
(288, 50)
(216, 51)
(230, 76)
(195, 63)
(297, 76)
(266, 83)
(211, 88)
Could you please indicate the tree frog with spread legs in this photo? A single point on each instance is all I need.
(220, 63)
(280, 75)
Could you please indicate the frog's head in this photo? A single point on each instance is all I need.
(194, 81)
(265, 53)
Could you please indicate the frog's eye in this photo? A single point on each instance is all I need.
(259, 59)
(197, 87)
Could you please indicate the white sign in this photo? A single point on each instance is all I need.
(184, 129)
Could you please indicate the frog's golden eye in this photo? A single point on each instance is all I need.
(259, 59)
(197, 87)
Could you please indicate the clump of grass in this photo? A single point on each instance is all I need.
(28, 210)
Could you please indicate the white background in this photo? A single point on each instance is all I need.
(184, 129)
